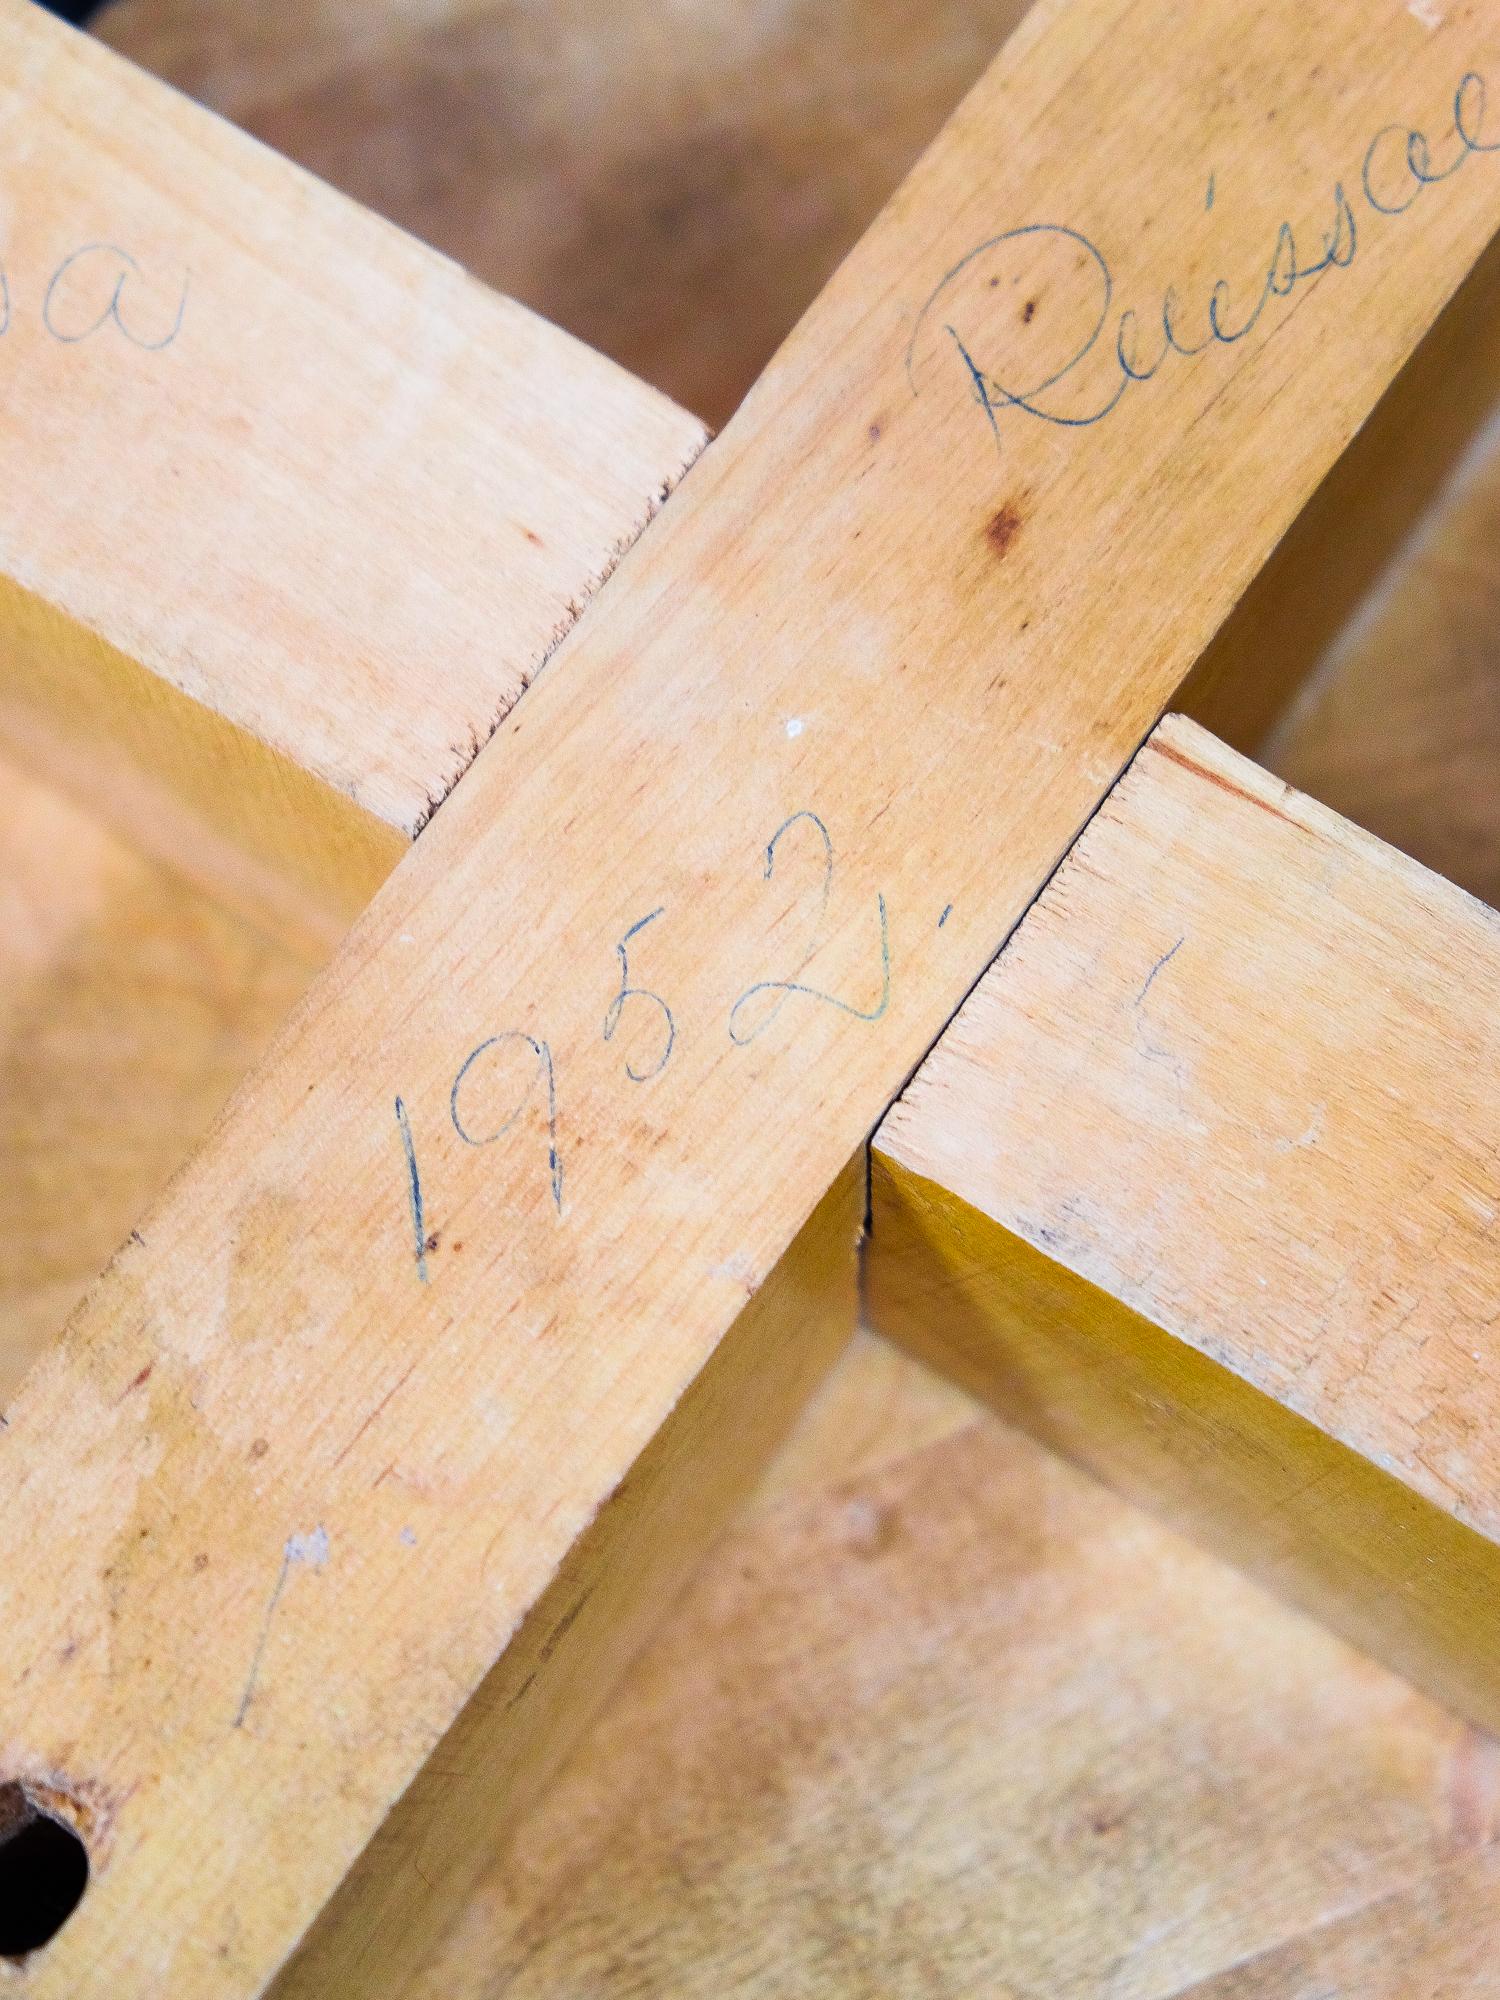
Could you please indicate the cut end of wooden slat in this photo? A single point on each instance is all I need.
(295, 509)
(1200, 1185)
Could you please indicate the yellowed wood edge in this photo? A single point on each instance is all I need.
(1185, 1436)
(1200, 1186)
(184, 784)
(267, 458)
(601, 1607)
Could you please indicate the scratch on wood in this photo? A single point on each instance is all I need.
(393, 1390)
(1224, 784)
(312, 1549)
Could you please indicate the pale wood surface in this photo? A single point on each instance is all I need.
(1202, 1180)
(964, 1724)
(277, 1294)
(130, 1007)
(511, 136)
(1436, 1941)
(294, 509)
(1408, 1947)
(673, 184)
(611, 1591)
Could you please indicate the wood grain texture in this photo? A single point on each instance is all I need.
(963, 1723)
(1202, 1185)
(1435, 1941)
(673, 184)
(855, 557)
(611, 1591)
(293, 508)
(130, 1007)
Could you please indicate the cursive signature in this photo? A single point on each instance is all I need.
(1400, 163)
(101, 288)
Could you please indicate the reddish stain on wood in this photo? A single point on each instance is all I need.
(1003, 528)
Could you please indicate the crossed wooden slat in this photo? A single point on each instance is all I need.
(408, 1406)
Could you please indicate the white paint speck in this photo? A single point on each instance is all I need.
(739, 1269)
(407, 938)
(407, 1539)
(311, 1548)
(794, 726)
(1310, 1137)
(1428, 12)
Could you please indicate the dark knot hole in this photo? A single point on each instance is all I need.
(44, 1870)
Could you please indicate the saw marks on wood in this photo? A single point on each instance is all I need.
(292, 509)
(877, 518)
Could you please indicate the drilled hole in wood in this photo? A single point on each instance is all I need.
(44, 1870)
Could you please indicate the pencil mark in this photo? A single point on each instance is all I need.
(787, 987)
(543, 1068)
(413, 1190)
(958, 317)
(1164, 961)
(826, 889)
(311, 1549)
(947, 913)
(629, 992)
(124, 268)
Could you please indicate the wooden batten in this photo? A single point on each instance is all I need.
(417, 1875)
(291, 509)
(608, 1035)
(1201, 1186)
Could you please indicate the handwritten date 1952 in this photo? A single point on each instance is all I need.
(509, 1082)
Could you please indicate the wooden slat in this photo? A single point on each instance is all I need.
(291, 509)
(595, 1613)
(856, 609)
(953, 1721)
(672, 184)
(1202, 1184)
